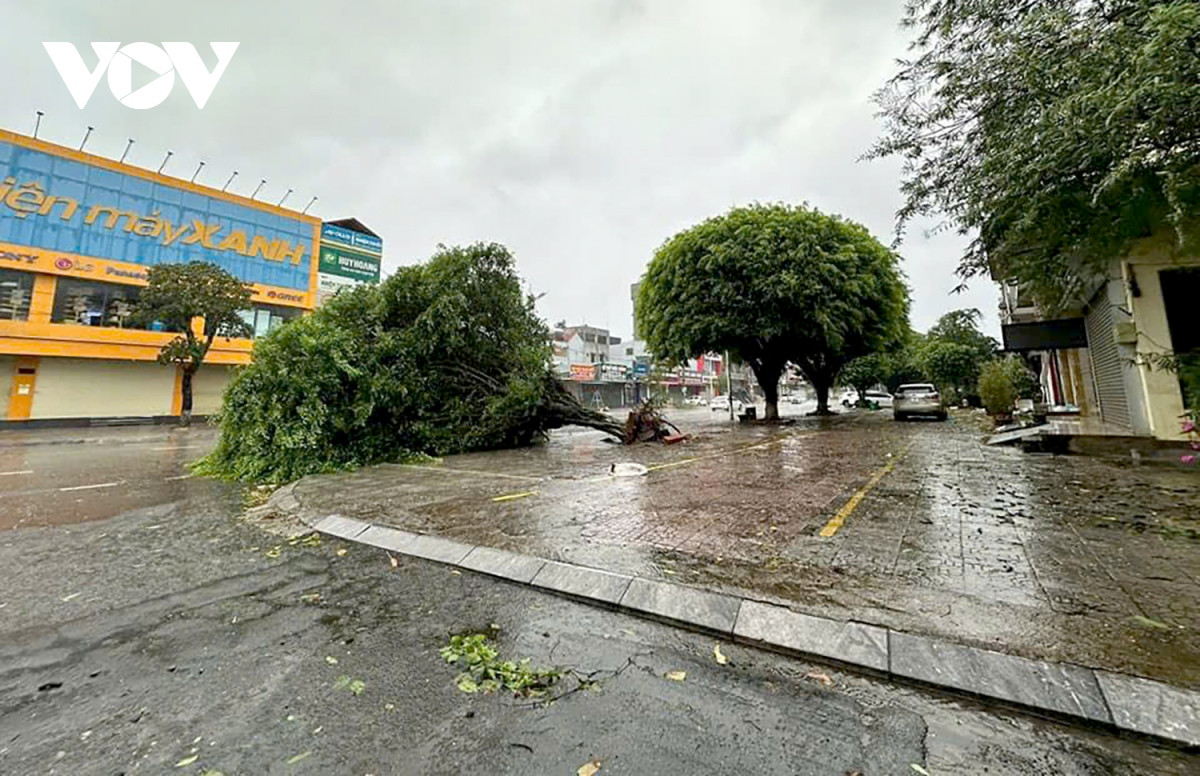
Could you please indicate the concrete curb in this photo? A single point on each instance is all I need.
(1056, 690)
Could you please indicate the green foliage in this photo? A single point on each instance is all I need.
(1057, 131)
(865, 371)
(953, 352)
(997, 388)
(952, 367)
(353, 686)
(1004, 380)
(773, 284)
(484, 671)
(440, 358)
(904, 363)
(178, 293)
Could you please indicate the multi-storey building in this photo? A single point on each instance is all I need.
(77, 234)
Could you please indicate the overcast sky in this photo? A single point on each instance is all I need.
(580, 133)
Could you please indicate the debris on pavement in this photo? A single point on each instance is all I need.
(719, 656)
(646, 423)
(589, 768)
(676, 676)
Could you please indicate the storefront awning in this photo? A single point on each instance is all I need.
(1058, 334)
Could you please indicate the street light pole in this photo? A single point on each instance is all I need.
(729, 382)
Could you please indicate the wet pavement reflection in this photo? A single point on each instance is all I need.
(1064, 558)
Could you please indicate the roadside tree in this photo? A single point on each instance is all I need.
(951, 366)
(864, 372)
(1054, 131)
(774, 284)
(180, 296)
(442, 357)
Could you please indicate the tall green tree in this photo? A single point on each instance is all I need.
(951, 366)
(774, 284)
(1054, 132)
(955, 350)
(864, 372)
(176, 295)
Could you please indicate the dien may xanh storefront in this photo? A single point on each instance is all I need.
(77, 233)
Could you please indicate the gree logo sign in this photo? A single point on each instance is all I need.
(162, 63)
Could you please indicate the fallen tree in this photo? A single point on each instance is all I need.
(442, 357)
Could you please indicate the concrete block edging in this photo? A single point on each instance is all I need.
(1058, 690)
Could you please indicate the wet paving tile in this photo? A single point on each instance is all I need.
(1051, 555)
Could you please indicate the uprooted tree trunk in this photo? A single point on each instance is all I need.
(647, 424)
(563, 409)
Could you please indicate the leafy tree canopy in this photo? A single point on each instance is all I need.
(442, 357)
(1054, 131)
(951, 366)
(774, 284)
(865, 371)
(175, 295)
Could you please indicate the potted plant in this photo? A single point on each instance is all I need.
(998, 390)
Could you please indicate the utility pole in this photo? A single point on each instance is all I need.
(729, 382)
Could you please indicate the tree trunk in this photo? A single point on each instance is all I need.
(767, 375)
(771, 397)
(185, 392)
(822, 389)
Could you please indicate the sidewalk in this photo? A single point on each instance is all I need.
(914, 527)
(923, 539)
(100, 434)
(1072, 692)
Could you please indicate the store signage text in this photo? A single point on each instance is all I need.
(117, 60)
(29, 199)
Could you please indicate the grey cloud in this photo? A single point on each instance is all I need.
(581, 134)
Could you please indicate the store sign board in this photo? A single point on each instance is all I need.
(39, 260)
(57, 199)
(349, 264)
(348, 238)
(583, 371)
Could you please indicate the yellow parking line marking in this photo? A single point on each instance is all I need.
(835, 522)
(512, 496)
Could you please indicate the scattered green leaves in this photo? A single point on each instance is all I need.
(355, 686)
(1149, 623)
(306, 540)
(484, 671)
(185, 762)
(297, 758)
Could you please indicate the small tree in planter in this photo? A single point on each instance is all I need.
(997, 389)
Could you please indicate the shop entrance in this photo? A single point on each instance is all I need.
(20, 401)
(1181, 292)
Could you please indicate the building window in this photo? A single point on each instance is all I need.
(16, 289)
(629, 351)
(93, 304)
(264, 318)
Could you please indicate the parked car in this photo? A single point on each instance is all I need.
(694, 401)
(878, 398)
(793, 398)
(918, 399)
(722, 403)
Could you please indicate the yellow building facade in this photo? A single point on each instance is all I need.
(77, 235)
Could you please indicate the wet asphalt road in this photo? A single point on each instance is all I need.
(174, 629)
